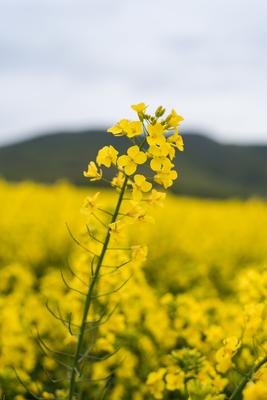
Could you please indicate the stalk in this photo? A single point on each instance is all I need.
(88, 299)
(238, 390)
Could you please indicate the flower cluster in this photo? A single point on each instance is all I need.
(153, 138)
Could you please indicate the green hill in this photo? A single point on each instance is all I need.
(206, 168)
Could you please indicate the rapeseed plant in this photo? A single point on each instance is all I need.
(149, 137)
(153, 140)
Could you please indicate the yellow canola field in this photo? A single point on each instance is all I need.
(192, 319)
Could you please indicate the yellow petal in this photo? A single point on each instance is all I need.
(155, 164)
(146, 187)
(140, 158)
(137, 194)
(130, 168)
(116, 130)
(140, 107)
(123, 160)
(139, 179)
(132, 151)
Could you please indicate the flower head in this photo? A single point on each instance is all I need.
(118, 180)
(92, 172)
(117, 229)
(166, 176)
(156, 134)
(224, 354)
(133, 158)
(133, 128)
(90, 204)
(119, 129)
(174, 119)
(107, 156)
(256, 391)
(139, 253)
(160, 155)
(156, 383)
(156, 198)
(139, 108)
(176, 140)
(140, 185)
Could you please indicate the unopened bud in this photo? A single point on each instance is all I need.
(159, 111)
(141, 116)
(168, 118)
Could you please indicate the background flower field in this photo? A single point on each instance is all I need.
(202, 287)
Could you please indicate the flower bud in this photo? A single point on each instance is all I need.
(159, 111)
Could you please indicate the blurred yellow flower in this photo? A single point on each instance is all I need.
(139, 108)
(174, 119)
(256, 391)
(90, 204)
(117, 229)
(140, 185)
(156, 198)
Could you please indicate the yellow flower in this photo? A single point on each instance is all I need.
(107, 156)
(35, 387)
(224, 354)
(253, 318)
(139, 253)
(118, 180)
(156, 198)
(117, 229)
(155, 134)
(156, 384)
(90, 204)
(140, 185)
(119, 129)
(174, 119)
(219, 382)
(256, 391)
(133, 158)
(138, 213)
(147, 219)
(92, 172)
(160, 154)
(134, 210)
(175, 381)
(139, 108)
(47, 395)
(134, 128)
(106, 343)
(165, 177)
(176, 140)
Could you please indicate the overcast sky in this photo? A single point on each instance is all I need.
(79, 63)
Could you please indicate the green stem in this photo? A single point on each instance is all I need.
(238, 390)
(88, 299)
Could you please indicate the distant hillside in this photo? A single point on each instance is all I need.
(206, 168)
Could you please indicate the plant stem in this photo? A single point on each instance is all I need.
(246, 379)
(88, 299)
